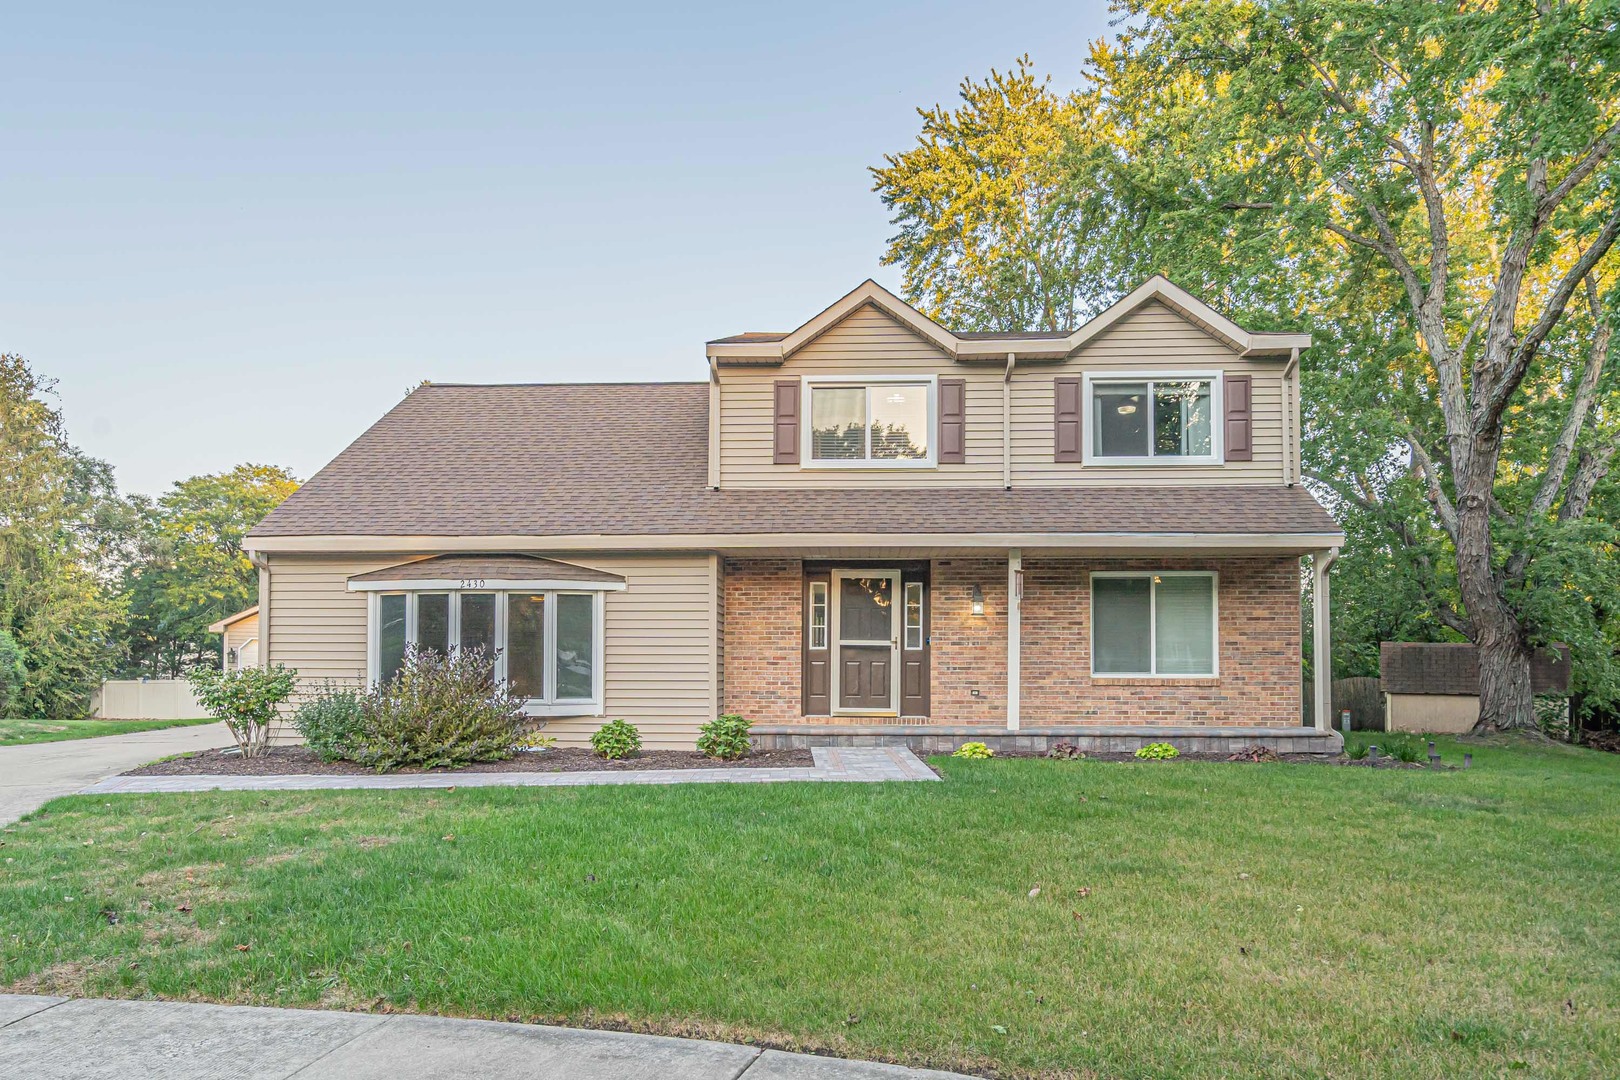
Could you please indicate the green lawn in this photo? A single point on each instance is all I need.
(19, 732)
(1242, 920)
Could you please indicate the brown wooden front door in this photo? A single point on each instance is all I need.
(866, 629)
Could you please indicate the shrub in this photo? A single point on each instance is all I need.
(440, 711)
(1403, 746)
(1068, 751)
(332, 721)
(973, 751)
(725, 738)
(13, 670)
(1552, 716)
(247, 700)
(615, 740)
(1356, 748)
(534, 741)
(1158, 751)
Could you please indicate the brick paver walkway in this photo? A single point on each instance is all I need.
(832, 764)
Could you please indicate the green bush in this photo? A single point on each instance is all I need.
(248, 700)
(973, 751)
(439, 712)
(332, 721)
(616, 739)
(1403, 746)
(725, 738)
(1158, 751)
(13, 671)
(534, 741)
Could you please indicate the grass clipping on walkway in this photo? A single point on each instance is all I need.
(1028, 917)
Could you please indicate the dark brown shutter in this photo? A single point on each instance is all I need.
(787, 422)
(1066, 397)
(1239, 418)
(953, 421)
(816, 671)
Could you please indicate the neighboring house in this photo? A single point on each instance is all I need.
(239, 633)
(868, 527)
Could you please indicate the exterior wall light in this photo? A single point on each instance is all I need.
(978, 600)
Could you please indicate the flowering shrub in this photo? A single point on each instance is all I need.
(439, 711)
(1159, 751)
(974, 751)
(247, 700)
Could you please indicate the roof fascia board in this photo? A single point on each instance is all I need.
(486, 585)
(1159, 541)
(870, 292)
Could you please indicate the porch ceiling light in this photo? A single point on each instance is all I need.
(978, 600)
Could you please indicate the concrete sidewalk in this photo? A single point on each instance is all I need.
(854, 765)
(31, 776)
(46, 1038)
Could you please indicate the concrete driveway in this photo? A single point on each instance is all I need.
(46, 1038)
(31, 776)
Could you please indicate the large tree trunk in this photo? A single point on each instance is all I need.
(1505, 701)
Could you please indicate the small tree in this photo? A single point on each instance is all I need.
(246, 700)
(13, 672)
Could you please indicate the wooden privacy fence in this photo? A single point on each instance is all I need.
(145, 699)
(1361, 696)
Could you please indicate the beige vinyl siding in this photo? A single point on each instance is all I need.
(869, 342)
(659, 637)
(240, 633)
(1151, 338)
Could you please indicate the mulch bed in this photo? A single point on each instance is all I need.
(297, 760)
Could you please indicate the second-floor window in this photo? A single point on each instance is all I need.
(1160, 419)
(874, 422)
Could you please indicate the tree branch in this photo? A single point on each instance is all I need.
(1424, 465)
(1507, 381)
(1589, 471)
(1552, 480)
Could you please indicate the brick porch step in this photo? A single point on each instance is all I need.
(1092, 738)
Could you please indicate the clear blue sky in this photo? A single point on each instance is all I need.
(243, 234)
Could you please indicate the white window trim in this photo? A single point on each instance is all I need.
(810, 382)
(547, 706)
(1217, 419)
(905, 616)
(825, 604)
(1153, 623)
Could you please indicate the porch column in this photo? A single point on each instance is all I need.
(1321, 639)
(1015, 633)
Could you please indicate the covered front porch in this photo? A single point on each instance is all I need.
(1109, 649)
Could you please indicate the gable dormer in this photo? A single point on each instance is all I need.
(1157, 389)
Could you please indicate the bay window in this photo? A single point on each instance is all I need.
(1154, 624)
(547, 643)
(1167, 418)
(870, 422)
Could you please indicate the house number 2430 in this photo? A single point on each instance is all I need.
(472, 583)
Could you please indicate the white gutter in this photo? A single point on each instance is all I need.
(1160, 541)
(1290, 418)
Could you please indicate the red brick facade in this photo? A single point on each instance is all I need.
(1258, 639)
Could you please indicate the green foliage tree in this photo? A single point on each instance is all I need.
(58, 509)
(990, 237)
(1432, 189)
(191, 569)
(248, 700)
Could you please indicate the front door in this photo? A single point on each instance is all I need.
(866, 628)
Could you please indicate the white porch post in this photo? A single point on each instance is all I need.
(1015, 633)
(1321, 639)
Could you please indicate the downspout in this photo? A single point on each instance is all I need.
(1290, 417)
(1006, 423)
(262, 563)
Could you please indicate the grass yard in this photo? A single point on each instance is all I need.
(1242, 920)
(19, 732)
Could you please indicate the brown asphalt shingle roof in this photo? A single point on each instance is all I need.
(631, 460)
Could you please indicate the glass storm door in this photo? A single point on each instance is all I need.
(866, 625)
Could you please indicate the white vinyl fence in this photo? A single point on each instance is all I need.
(145, 699)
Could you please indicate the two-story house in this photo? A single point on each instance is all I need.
(870, 528)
